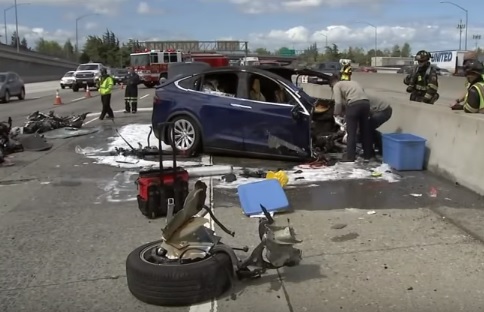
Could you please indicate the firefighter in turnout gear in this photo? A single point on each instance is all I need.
(346, 71)
(474, 99)
(131, 92)
(423, 83)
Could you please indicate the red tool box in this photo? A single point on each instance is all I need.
(157, 186)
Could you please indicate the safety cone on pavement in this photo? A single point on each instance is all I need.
(88, 93)
(58, 100)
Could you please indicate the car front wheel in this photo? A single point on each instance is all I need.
(157, 280)
(188, 136)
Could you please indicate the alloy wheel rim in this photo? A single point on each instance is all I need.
(184, 134)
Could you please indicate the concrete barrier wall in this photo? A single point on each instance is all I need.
(454, 138)
(33, 67)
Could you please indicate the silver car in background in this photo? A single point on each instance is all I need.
(68, 80)
(11, 85)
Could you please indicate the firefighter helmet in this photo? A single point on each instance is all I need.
(474, 66)
(422, 56)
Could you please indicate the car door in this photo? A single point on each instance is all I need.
(13, 84)
(271, 126)
(219, 119)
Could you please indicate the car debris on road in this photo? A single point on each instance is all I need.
(39, 122)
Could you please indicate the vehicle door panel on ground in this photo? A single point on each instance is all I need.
(271, 116)
(220, 121)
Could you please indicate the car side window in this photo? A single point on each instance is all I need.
(267, 90)
(224, 84)
(192, 83)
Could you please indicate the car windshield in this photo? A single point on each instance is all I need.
(140, 60)
(88, 67)
(69, 74)
(3, 78)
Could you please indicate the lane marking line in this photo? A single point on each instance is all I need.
(78, 99)
(143, 96)
(141, 109)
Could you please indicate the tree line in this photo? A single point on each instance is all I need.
(108, 50)
(314, 54)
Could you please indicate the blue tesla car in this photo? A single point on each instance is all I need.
(250, 111)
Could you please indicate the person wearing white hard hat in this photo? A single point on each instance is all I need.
(346, 71)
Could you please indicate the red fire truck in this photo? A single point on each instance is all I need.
(152, 65)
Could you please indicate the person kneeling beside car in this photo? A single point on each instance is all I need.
(380, 112)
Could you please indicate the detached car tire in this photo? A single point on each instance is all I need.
(176, 284)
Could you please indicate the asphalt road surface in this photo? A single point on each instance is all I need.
(67, 225)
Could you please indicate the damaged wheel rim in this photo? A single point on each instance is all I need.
(184, 134)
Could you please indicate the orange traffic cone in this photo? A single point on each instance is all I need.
(88, 93)
(58, 100)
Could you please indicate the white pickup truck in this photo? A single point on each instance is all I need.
(87, 76)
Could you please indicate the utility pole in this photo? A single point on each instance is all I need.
(477, 38)
(467, 17)
(461, 28)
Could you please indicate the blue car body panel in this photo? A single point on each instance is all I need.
(240, 125)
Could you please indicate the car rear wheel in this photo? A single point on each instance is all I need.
(21, 96)
(187, 135)
(62, 86)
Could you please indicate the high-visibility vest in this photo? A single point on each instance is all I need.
(106, 85)
(467, 87)
(345, 73)
(479, 86)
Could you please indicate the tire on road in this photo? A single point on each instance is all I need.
(21, 96)
(175, 284)
(6, 97)
(197, 133)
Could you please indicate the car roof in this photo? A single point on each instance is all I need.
(274, 72)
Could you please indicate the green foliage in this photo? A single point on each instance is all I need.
(262, 51)
(23, 45)
(108, 50)
(358, 55)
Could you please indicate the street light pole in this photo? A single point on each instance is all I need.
(376, 35)
(16, 19)
(467, 17)
(77, 29)
(16, 27)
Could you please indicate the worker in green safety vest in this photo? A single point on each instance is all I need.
(469, 58)
(473, 101)
(106, 84)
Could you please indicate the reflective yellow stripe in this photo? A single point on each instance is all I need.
(480, 90)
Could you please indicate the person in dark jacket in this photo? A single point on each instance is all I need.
(423, 82)
(350, 96)
(131, 92)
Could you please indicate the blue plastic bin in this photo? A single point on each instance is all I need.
(404, 151)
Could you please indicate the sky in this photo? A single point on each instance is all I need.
(271, 24)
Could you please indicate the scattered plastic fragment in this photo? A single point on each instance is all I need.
(371, 212)
(416, 195)
(433, 192)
